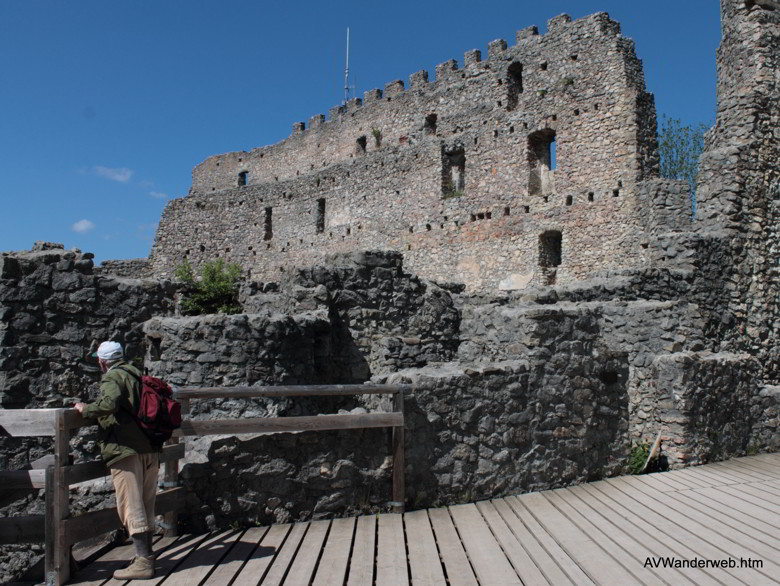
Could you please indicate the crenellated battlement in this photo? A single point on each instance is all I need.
(561, 29)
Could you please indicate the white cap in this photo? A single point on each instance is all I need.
(109, 351)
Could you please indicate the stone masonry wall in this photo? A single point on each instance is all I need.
(453, 173)
(558, 414)
(136, 268)
(54, 311)
(709, 404)
(739, 180)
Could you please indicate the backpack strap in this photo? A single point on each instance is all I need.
(140, 386)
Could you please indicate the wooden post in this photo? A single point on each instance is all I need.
(58, 505)
(171, 480)
(50, 572)
(399, 489)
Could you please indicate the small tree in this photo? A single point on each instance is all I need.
(680, 148)
(215, 291)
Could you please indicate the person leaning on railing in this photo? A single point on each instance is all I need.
(128, 453)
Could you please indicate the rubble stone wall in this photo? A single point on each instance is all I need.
(136, 268)
(555, 416)
(460, 174)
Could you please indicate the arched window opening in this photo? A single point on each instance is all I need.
(243, 178)
(542, 159)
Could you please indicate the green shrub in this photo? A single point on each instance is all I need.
(377, 136)
(216, 291)
(637, 458)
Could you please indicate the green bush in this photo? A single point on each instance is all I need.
(377, 136)
(215, 291)
(637, 458)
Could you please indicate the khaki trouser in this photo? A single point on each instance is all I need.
(135, 483)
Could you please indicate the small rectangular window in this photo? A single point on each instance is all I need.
(268, 225)
(320, 215)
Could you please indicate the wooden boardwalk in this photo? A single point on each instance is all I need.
(609, 532)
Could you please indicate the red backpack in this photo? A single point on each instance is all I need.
(158, 412)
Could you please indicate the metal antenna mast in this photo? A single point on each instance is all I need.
(346, 73)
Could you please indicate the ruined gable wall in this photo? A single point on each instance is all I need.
(581, 81)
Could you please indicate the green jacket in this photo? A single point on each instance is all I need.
(119, 434)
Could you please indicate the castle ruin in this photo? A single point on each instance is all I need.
(534, 166)
(548, 295)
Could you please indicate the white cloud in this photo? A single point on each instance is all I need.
(158, 194)
(82, 226)
(121, 174)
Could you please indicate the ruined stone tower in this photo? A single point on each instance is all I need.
(739, 182)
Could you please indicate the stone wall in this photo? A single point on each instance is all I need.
(739, 184)
(136, 268)
(457, 174)
(709, 405)
(54, 311)
(556, 415)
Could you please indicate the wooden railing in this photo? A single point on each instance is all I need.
(393, 419)
(59, 531)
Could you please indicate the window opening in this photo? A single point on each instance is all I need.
(243, 178)
(515, 84)
(453, 179)
(321, 216)
(361, 144)
(267, 224)
(430, 124)
(542, 159)
(550, 249)
(550, 255)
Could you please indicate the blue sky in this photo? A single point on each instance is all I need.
(106, 106)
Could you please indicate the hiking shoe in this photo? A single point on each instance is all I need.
(140, 568)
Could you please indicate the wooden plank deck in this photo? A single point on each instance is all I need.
(613, 532)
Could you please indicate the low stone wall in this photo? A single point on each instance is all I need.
(709, 405)
(136, 268)
(241, 350)
(261, 479)
(766, 415)
(396, 320)
(483, 431)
